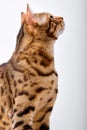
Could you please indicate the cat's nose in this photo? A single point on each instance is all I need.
(59, 19)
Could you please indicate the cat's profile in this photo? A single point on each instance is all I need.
(28, 81)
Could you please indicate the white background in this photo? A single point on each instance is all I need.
(70, 111)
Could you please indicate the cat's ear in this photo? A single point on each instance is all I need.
(29, 17)
(23, 17)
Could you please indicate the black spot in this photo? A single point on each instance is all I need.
(12, 76)
(52, 81)
(15, 84)
(27, 127)
(5, 123)
(8, 78)
(44, 127)
(40, 119)
(2, 75)
(50, 100)
(26, 78)
(41, 73)
(23, 93)
(35, 61)
(2, 109)
(5, 103)
(25, 85)
(13, 101)
(18, 124)
(56, 90)
(10, 101)
(34, 53)
(49, 109)
(12, 121)
(1, 117)
(44, 62)
(15, 93)
(15, 110)
(20, 81)
(32, 74)
(32, 97)
(26, 111)
(40, 89)
(34, 83)
(46, 59)
(2, 91)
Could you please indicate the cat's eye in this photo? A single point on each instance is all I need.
(51, 16)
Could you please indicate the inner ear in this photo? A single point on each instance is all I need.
(29, 17)
(28, 11)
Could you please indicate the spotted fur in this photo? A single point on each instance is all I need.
(28, 81)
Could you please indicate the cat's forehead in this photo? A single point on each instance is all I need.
(44, 14)
(42, 18)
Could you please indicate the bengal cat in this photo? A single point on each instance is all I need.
(28, 81)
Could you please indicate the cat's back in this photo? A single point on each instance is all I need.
(2, 68)
(4, 118)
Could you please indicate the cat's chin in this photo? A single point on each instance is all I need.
(62, 29)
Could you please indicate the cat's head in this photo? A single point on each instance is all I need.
(41, 25)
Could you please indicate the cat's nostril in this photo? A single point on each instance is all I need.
(60, 19)
(60, 22)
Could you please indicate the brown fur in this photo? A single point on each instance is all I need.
(28, 81)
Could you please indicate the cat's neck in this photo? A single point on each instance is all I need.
(28, 44)
(29, 49)
(35, 54)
